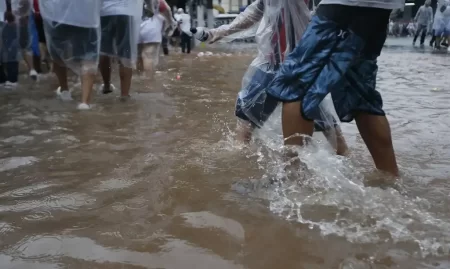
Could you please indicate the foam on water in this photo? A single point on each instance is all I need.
(328, 193)
(14, 162)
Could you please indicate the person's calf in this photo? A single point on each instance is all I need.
(105, 70)
(336, 139)
(244, 131)
(126, 74)
(88, 73)
(60, 71)
(295, 128)
(376, 133)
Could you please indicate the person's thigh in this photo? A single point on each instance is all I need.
(40, 29)
(108, 31)
(24, 33)
(85, 43)
(357, 92)
(57, 43)
(123, 37)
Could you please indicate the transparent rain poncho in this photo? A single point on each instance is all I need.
(16, 35)
(277, 25)
(5, 32)
(72, 30)
(120, 22)
(441, 21)
(157, 21)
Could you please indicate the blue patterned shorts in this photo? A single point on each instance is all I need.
(337, 54)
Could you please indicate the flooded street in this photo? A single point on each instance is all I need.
(159, 181)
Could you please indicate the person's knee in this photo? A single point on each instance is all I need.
(374, 127)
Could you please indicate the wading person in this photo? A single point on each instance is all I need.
(441, 24)
(120, 20)
(9, 57)
(423, 19)
(338, 54)
(281, 25)
(184, 24)
(73, 41)
(22, 10)
(155, 25)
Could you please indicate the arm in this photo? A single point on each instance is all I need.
(251, 15)
(149, 7)
(431, 16)
(165, 11)
(418, 14)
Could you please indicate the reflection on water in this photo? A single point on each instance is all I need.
(159, 182)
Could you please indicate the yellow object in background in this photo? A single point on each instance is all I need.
(203, 45)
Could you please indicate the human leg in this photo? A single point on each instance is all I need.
(127, 50)
(150, 58)
(184, 41)
(330, 54)
(424, 34)
(253, 106)
(25, 45)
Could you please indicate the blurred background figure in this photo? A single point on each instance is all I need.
(120, 20)
(21, 10)
(155, 26)
(72, 30)
(424, 17)
(9, 64)
(42, 56)
(412, 29)
(441, 24)
(165, 44)
(184, 24)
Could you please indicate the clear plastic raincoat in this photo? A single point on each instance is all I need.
(120, 22)
(158, 22)
(72, 30)
(16, 30)
(277, 25)
(441, 24)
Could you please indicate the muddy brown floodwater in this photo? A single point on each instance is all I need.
(159, 182)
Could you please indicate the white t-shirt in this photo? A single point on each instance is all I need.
(121, 7)
(384, 4)
(151, 30)
(185, 20)
(82, 13)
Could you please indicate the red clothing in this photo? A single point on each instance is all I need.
(279, 38)
(163, 6)
(36, 7)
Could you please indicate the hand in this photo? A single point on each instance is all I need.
(215, 37)
(169, 31)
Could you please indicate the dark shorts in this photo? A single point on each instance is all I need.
(254, 106)
(66, 41)
(337, 54)
(40, 28)
(116, 36)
